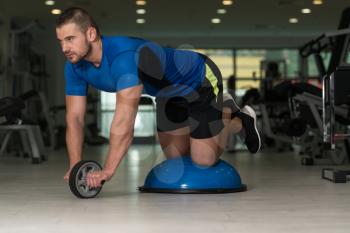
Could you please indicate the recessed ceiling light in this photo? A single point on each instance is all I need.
(317, 2)
(49, 2)
(56, 11)
(140, 21)
(221, 11)
(141, 11)
(293, 20)
(227, 2)
(215, 20)
(141, 3)
(306, 11)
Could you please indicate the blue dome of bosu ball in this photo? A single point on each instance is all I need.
(181, 175)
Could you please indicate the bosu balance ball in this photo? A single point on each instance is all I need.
(181, 175)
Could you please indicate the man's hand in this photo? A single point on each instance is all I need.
(66, 176)
(95, 179)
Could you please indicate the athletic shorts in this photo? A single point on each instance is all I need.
(201, 110)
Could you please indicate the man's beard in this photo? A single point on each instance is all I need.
(86, 54)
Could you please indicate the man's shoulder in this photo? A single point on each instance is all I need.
(121, 43)
(115, 47)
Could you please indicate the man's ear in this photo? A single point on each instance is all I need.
(91, 34)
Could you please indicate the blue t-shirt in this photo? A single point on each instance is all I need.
(128, 61)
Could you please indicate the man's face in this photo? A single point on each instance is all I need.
(74, 42)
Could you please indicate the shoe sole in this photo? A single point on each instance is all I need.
(253, 115)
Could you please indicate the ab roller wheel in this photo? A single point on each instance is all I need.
(77, 179)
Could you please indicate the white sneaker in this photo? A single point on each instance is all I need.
(228, 101)
(250, 132)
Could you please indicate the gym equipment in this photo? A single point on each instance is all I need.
(31, 140)
(336, 176)
(92, 136)
(30, 135)
(10, 108)
(77, 179)
(334, 41)
(295, 127)
(335, 96)
(181, 175)
(308, 107)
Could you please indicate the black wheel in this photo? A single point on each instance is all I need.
(43, 158)
(36, 160)
(307, 161)
(77, 179)
(339, 155)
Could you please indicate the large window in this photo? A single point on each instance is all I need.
(251, 64)
(107, 112)
(312, 70)
(223, 58)
(347, 54)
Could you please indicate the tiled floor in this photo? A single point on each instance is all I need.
(282, 196)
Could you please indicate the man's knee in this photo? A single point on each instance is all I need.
(172, 151)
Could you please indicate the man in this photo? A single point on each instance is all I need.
(191, 117)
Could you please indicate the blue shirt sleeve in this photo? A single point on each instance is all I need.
(75, 85)
(125, 71)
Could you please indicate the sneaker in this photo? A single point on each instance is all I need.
(249, 131)
(228, 101)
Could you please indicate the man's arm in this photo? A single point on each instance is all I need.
(121, 134)
(122, 127)
(75, 113)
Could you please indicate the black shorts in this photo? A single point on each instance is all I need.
(201, 110)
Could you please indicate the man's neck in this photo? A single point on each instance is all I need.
(95, 56)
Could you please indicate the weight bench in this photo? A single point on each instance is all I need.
(30, 134)
(31, 140)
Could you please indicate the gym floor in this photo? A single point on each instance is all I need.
(282, 196)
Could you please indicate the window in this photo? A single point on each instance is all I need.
(107, 112)
(250, 66)
(312, 66)
(347, 53)
(223, 58)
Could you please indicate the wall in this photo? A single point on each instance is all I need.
(45, 43)
(4, 29)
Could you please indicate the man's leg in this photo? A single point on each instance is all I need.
(243, 122)
(249, 131)
(207, 151)
(175, 143)
(172, 125)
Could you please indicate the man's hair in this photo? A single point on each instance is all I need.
(78, 16)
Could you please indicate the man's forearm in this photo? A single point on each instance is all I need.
(119, 144)
(74, 140)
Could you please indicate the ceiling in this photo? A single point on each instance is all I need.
(253, 23)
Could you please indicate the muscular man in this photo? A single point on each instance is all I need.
(193, 115)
